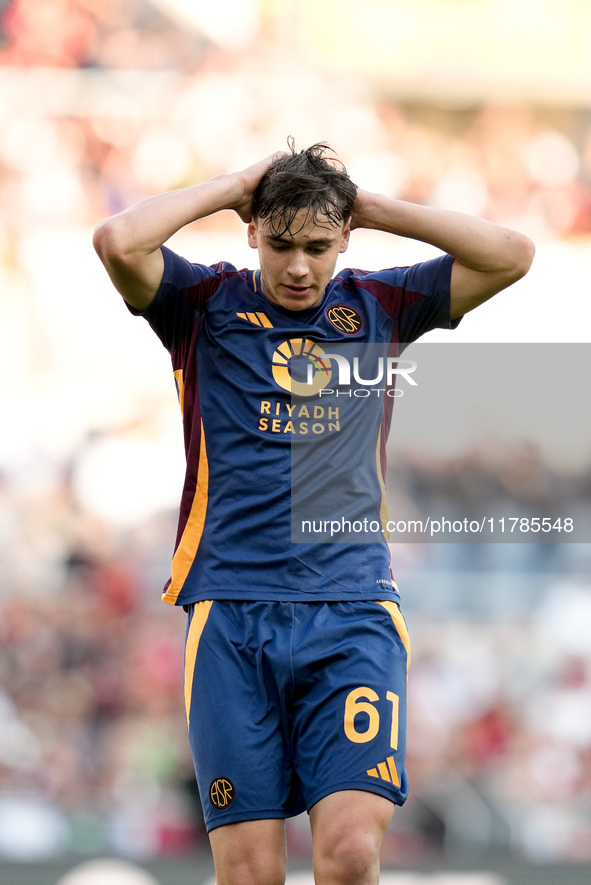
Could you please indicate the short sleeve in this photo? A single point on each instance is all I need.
(416, 298)
(181, 298)
(426, 304)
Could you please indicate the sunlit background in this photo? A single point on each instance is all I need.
(483, 106)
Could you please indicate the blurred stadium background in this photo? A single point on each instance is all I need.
(481, 106)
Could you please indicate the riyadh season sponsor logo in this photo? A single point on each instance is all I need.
(324, 369)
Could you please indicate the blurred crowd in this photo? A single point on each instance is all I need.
(89, 33)
(530, 166)
(93, 750)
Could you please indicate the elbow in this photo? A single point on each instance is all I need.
(107, 240)
(522, 256)
(113, 240)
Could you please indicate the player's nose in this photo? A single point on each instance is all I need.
(298, 265)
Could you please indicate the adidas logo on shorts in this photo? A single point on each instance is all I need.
(386, 771)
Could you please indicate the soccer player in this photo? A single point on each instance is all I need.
(296, 652)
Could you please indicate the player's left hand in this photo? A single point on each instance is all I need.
(359, 216)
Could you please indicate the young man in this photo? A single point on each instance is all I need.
(296, 654)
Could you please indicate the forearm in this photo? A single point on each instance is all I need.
(487, 257)
(143, 228)
(129, 243)
(478, 244)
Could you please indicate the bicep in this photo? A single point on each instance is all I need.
(505, 261)
(470, 288)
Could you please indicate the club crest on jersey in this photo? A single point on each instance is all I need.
(344, 318)
(222, 792)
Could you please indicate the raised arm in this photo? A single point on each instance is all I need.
(129, 243)
(487, 257)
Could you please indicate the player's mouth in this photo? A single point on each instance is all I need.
(297, 291)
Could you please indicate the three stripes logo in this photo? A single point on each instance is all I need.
(257, 319)
(386, 771)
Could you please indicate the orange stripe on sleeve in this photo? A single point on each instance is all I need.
(200, 615)
(187, 548)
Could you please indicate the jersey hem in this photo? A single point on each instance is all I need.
(380, 593)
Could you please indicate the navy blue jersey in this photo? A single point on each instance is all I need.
(273, 427)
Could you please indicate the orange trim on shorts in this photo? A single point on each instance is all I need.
(200, 615)
(396, 615)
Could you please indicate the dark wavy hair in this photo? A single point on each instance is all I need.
(304, 180)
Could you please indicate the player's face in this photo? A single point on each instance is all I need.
(297, 267)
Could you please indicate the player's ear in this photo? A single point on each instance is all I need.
(252, 234)
(345, 238)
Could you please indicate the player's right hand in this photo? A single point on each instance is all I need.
(250, 179)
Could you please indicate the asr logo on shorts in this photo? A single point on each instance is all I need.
(222, 792)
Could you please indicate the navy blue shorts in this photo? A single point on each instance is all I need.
(289, 702)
